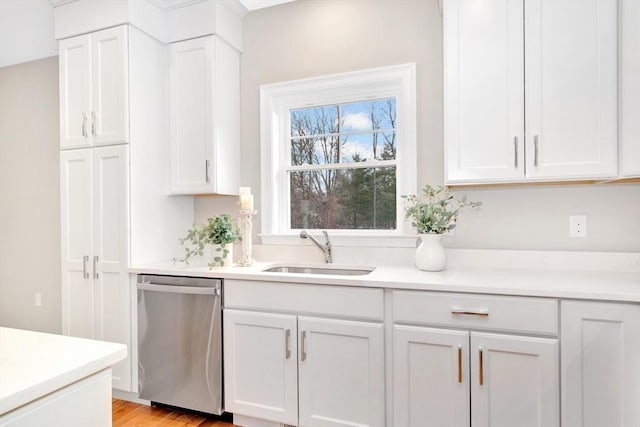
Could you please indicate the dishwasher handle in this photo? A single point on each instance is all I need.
(194, 290)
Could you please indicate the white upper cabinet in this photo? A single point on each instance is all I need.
(204, 78)
(571, 79)
(484, 90)
(630, 88)
(563, 126)
(94, 108)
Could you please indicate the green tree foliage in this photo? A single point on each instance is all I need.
(342, 198)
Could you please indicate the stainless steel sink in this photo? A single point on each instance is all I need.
(321, 269)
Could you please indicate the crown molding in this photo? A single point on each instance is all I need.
(163, 5)
(55, 3)
(166, 5)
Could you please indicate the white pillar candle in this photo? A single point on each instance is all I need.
(246, 202)
(244, 191)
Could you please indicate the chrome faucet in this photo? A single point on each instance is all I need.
(325, 248)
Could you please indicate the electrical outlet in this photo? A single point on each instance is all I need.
(578, 226)
(38, 300)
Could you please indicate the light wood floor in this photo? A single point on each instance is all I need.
(129, 414)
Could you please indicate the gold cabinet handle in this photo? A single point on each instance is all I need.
(459, 364)
(462, 311)
(481, 368)
(287, 339)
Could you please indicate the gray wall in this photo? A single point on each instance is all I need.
(315, 37)
(29, 195)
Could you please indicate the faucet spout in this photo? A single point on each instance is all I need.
(324, 247)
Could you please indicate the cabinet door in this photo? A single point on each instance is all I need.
(514, 381)
(571, 80)
(191, 93)
(430, 377)
(109, 114)
(341, 373)
(109, 261)
(76, 195)
(484, 90)
(75, 69)
(260, 375)
(630, 88)
(600, 364)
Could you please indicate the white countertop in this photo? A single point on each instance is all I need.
(579, 284)
(33, 364)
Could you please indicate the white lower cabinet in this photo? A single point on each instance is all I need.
(514, 381)
(450, 378)
(463, 360)
(332, 374)
(341, 373)
(306, 366)
(430, 377)
(600, 366)
(260, 357)
(95, 254)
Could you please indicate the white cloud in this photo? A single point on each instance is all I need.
(356, 122)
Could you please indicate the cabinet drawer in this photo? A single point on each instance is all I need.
(500, 313)
(339, 301)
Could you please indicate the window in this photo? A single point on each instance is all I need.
(337, 152)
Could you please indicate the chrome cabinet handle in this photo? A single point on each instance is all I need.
(303, 349)
(85, 260)
(93, 123)
(481, 367)
(535, 150)
(84, 125)
(207, 163)
(515, 150)
(462, 311)
(459, 364)
(95, 264)
(287, 338)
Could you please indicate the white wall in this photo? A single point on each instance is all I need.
(29, 196)
(26, 31)
(316, 37)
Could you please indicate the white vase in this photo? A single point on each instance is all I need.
(217, 252)
(430, 255)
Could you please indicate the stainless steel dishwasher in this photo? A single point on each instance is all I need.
(180, 342)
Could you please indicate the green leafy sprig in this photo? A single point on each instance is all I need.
(436, 210)
(218, 230)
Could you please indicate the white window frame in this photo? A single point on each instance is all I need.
(276, 102)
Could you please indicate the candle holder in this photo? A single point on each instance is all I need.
(246, 218)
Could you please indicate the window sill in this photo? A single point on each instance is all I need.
(370, 240)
